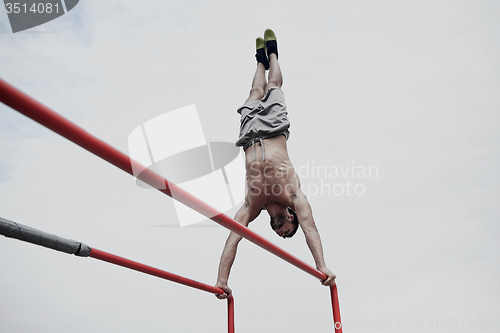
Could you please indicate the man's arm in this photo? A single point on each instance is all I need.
(306, 221)
(229, 252)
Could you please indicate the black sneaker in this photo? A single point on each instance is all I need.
(271, 42)
(260, 55)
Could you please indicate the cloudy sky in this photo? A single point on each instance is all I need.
(406, 89)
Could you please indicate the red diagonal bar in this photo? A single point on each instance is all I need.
(120, 261)
(27, 234)
(52, 120)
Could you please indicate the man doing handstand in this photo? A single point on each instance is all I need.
(271, 181)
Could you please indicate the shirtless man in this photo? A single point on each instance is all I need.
(271, 181)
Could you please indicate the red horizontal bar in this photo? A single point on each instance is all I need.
(111, 258)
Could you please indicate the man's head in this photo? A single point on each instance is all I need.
(285, 223)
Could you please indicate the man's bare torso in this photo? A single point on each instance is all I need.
(272, 179)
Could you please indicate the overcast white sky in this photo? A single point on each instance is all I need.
(408, 87)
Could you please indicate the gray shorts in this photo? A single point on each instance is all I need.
(263, 119)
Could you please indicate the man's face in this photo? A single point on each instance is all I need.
(287, 227)
(280, 213)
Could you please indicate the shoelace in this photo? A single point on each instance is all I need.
(253, 149)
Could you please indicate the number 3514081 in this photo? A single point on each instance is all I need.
(41, 8)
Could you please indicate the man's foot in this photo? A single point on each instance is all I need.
(271, 42)
(260, 55)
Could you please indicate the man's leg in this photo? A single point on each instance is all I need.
(258, 83)
(275, 77)
(259, 79)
